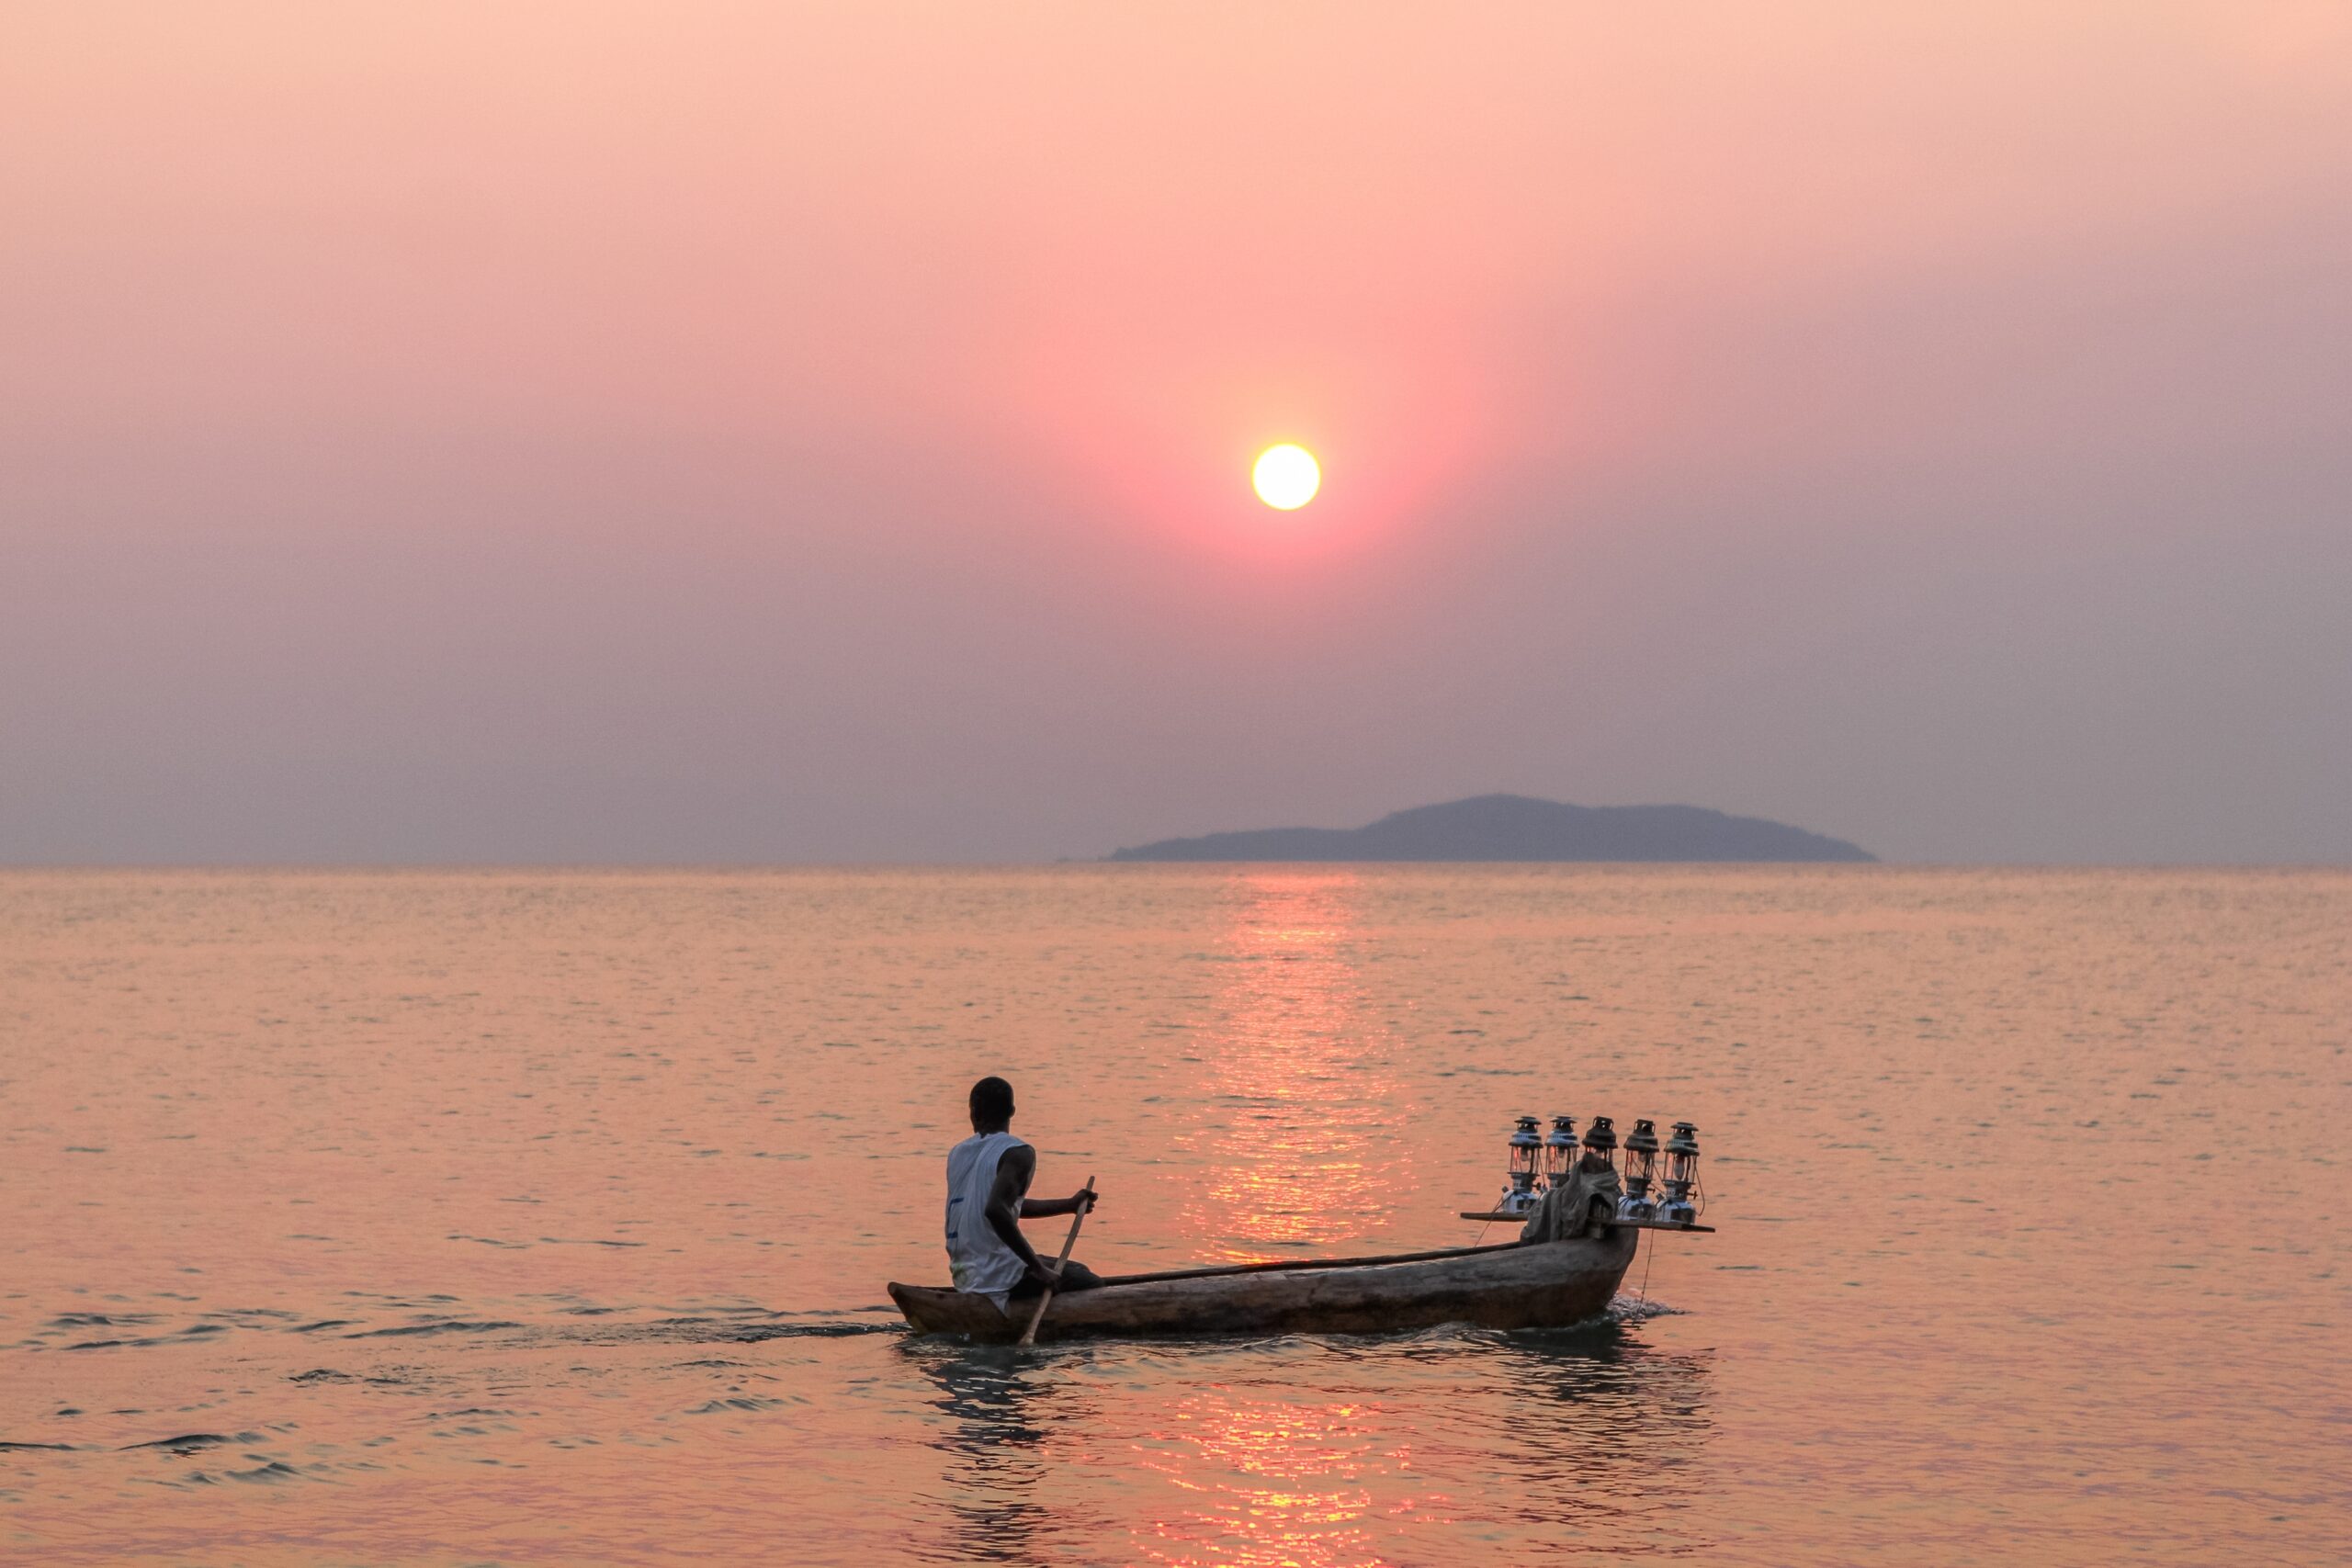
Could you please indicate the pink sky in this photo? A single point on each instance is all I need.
(752, 432)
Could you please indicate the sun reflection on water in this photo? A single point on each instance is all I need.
(1311, 1453)
(1265, 1479)
(1322, 1471)
(1300, 1112)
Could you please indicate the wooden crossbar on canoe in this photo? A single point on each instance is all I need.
(1510, 1285)
(1497, 1216)
(1280, 1265)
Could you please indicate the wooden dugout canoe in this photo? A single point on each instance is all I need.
(1514, 1285)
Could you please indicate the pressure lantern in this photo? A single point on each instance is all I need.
(1601, 1138)
(1526, 1163)
(1640, 1169)
(1560, 1150)
(1681, 1175)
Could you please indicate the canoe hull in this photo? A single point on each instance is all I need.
(1550, 1285)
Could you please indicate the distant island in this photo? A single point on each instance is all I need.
(1516, 828)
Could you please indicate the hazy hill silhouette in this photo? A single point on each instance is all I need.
(1516, 828)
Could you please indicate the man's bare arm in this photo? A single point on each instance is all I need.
(1044, 1208)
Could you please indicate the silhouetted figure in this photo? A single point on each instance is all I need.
(987, 1175)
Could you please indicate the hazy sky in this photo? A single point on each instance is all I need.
(780, 432)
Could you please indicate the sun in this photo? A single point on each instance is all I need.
(1286, 477)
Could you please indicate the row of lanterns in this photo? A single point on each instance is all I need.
(1552, 1157)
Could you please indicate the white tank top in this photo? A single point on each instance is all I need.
(977, 1258)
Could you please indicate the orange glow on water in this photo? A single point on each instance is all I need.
(1300, 1128)
(1267, 1481)
(507, 1209)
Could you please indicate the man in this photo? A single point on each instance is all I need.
(988, 1175)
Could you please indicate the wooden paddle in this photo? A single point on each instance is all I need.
(1029, 1335)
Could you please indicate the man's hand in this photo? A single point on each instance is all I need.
(1083, 1199)
(1042, 1277)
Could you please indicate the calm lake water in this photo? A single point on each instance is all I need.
(445, 1217)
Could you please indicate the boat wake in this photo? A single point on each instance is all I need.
(1635, 1309)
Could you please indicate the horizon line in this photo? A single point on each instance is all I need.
(1881, 863)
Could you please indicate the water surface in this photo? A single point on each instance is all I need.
(461, 1217)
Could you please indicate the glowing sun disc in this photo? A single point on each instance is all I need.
(1286, 477)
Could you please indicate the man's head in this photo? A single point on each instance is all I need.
(991, 1105)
